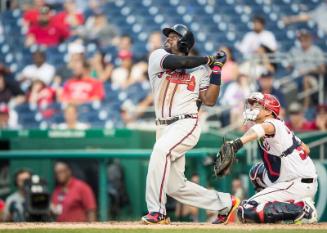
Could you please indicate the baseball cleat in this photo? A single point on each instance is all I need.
(155, 218)
(223, 219)
(310, 215)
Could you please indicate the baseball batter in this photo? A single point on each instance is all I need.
(177, 82)
(286, 180)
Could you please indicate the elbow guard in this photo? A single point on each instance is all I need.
(259, 130)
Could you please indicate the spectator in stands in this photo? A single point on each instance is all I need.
(230, 70)
(81, 88)
(321, 117)
(40, 94)
(154, 41)
(45, 32)
(100, 68)
(71, 119)
(76, 53)
(133, 111)
(297, 121)
(70, 18)
(72, 199)
(234, 96)
(259, 36)
(31, 14)
(266, 87)
(121, 74)
(39, 70)
(318, 15)
(97, 28)
(185, 212)
(138, 73)
(307, 61)
(4, 116)
(14, 207)
(125, 43)
(261, 64)
(93, 7)
(10, 91)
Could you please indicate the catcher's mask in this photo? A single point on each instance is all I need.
(258, 101)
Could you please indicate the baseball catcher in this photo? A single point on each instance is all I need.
(285, 180)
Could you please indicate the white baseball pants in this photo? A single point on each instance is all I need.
(167, 166)
(293, 190)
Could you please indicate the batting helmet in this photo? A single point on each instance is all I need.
(186, 40)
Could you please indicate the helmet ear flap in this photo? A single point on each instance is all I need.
(182, 46)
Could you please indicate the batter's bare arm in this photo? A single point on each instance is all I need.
(209, 96)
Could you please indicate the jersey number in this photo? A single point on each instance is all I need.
(191, 84)
(302, 153)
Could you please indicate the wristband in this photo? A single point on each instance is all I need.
(215, 78)
(237, 144)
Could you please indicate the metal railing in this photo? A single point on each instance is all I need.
(281, 58)
(321, 144)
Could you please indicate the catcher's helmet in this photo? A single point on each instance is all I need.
(186, 40)
(268, 101)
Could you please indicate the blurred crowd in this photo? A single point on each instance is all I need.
(83, 72)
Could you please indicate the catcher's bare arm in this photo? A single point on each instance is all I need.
(257, 131)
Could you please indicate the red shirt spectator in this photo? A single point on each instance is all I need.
(41, 94)
(72, 200)
(297, 121)
(75, 200)
(304, 126)
(82, 90)
(48, 35)
(45, 31)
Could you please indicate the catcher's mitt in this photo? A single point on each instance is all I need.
(225, 159)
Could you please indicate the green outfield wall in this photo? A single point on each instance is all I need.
(38, 149)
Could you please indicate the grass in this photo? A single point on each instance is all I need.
(159, 231)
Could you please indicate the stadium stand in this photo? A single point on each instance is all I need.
(215, 23)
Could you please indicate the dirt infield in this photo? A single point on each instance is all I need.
(175, 225)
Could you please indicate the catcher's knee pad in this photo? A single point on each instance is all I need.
(270, 212)
(256, 175)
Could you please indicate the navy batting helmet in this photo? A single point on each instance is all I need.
(186, 40)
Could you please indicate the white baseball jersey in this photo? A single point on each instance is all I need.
(288, 166)
(175, 91)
